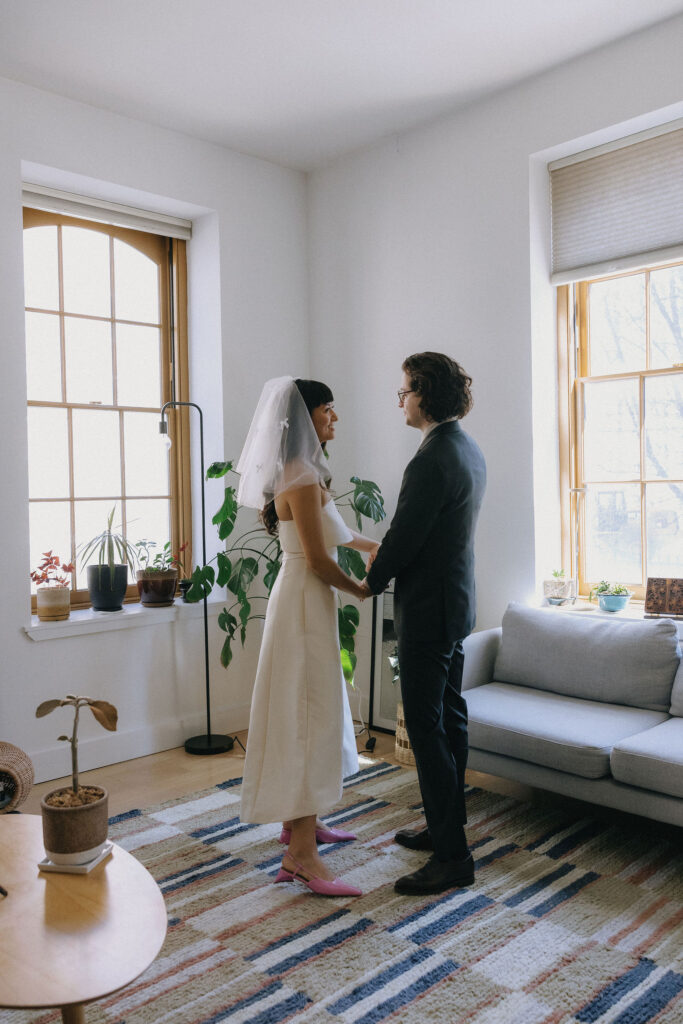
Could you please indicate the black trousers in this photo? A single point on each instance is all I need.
(436, 723)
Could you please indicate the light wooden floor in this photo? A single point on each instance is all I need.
(172, 773)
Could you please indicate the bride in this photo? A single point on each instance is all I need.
(301, 742)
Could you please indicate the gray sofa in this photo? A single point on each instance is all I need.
(580, 704)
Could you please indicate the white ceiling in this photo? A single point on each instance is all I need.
(300, 82)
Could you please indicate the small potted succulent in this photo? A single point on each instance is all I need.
(53, 597)
(75, 818)
(108, 577)
(612, 597)
(559, 589)
(157, 576)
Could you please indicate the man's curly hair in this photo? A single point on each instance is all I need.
(441, 383)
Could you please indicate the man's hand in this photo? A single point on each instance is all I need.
(366, 590)
(371, 558)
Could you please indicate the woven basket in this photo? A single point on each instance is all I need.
(16, 772)
(402, 750)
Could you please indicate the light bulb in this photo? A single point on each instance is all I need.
(167, 441)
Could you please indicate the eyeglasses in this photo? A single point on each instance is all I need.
(402, 394)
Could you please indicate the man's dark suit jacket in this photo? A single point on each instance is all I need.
(429, 547)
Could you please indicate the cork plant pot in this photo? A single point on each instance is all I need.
(75, 835)
(53, 603)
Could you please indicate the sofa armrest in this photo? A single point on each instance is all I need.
(480, 655)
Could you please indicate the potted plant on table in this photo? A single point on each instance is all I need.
(157, 576)
(75, 818)
(108, 577)
(559, 589)
(612, 597)
(53, 597)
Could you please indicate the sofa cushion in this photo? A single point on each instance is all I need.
(652, 759)
(677, 693)
(560, 732)
(619, 661)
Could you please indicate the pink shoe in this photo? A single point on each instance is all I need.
(320, 886)
(322, 835)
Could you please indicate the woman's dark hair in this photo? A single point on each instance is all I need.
(441, 383)
(314, 393)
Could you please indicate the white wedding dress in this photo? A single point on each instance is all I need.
(301, 741)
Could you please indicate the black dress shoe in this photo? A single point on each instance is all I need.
(414, 838)
(437, 876)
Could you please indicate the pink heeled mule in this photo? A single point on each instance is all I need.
(322, 835)
(320, 886)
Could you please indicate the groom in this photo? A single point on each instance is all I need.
(428, 549)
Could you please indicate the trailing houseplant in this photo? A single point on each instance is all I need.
(75, 818)
(255, 557)
(53, 579)
(108, 576)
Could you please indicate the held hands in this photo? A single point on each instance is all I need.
(371, 557)
(364, 591)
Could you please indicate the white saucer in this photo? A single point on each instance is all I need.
(76, 869)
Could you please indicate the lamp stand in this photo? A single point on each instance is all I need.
(208, 742)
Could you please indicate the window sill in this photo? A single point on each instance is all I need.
(633, 610)
(131, 616)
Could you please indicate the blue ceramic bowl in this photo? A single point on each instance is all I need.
(613, 602)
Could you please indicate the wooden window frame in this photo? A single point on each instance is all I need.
(171, 257)
(573, 334)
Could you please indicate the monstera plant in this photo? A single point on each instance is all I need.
(255, 556)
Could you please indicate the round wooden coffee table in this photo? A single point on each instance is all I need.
(65, 939)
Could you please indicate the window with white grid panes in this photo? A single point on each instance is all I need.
(100, 358)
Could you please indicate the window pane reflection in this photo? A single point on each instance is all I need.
(41, 274)
(138, 365)
(85, 257)
(664, 426)
(48, 453)
(611, 430)
(666, 317)
(664, 517)
(43, 358)
(87, 346)
(617, 325)
(136, 284)
(146, 456)
(612, 535)
(97, 453)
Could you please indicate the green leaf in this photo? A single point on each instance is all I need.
(351, 562)
(224, 568)
(243, 573)
(348, 663)
(271, 573)
(226, 652)
(367, 499)
(244, 613)
(203, 579)
(218, 469)
(227, 514)
(348, 618)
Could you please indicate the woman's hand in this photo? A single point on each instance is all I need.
(371, 557)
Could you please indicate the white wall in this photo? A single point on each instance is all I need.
(423, 242)
(248, 309)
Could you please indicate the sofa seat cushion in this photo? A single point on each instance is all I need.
(550, 729)
(618, 661)
(652, 759)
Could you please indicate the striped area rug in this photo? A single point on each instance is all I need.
(572, 920)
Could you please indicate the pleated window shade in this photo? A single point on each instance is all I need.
(618, 207)
(40, 197)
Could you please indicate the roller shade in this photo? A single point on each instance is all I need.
(618, 206)
(39, 197)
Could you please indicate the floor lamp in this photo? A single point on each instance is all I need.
(208, 743)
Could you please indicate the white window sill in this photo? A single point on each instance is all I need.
(131, 616)
(633, 610)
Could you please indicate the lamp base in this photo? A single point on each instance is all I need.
(212, 744)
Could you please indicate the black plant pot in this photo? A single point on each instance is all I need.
(106, 595)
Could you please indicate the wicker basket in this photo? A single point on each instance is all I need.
(402, 750)
(16, 774)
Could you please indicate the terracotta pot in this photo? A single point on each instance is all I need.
(75, 835)
(157, 589)
(53, 603)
